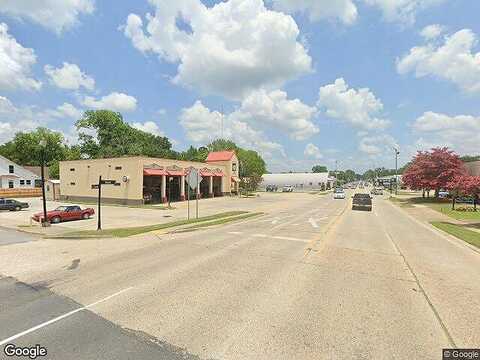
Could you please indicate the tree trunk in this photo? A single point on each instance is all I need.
(423, 193)
(437, 193)
(453, 202)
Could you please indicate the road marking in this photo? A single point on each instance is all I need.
(260, 235)
(235, 232)
(275, 221)
(313, 222)
(323, 218)
(23, 333)
(289, 238)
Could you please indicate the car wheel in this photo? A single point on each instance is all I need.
(86, 216)
(56, 220)
(18, 208)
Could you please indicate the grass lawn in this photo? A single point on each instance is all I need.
(126, 232)
(460, 232)
(441, 205)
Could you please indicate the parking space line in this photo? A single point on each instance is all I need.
(289, 238)
(58, 318)
(235, 232)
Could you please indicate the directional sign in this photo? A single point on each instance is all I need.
(108, 182)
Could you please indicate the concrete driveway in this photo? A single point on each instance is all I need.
(123, 216)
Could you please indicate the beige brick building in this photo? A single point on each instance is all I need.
(473, 168)
(140, 180)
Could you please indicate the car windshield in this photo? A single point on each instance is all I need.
(61, 208)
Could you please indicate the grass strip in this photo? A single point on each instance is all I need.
(223, 221)
(126, 232)
(460, 232)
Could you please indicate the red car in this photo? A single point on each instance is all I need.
(65, 213)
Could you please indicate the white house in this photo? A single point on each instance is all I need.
(300, 181)
(13, 176)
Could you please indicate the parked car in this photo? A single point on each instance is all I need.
(443, 194)
(287, 188)
(362, 202)
(65, 213)
(464, 200)
(271, 188)
(339, 194)
(12, 205)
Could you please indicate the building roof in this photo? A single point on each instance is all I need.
(220, 155)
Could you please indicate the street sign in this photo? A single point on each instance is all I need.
(108, 182)
(95, 186)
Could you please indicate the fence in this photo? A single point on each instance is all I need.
(19, 193)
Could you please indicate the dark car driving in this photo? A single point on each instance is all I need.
(12, 205)
(362, 202)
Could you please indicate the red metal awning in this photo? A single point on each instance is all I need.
(154, 172)
(220, 174)
(206, 173)
(176, 172)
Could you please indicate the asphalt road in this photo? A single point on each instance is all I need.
(311, 280)
(8, 237)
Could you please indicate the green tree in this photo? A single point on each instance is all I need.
(104, 133)
(194, 154)
(319, 169)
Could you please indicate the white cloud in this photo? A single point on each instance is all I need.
(402, 11)
(203, 125)
(114, 101)
(454, 60)
(273, 110)
(229, 49)
(69, 111)
(343, 10)
(15, 119)
(431, 32)
(69, 76)
(377, 145)
(356, 107)
(461, 132)
(312, 151)
(149, 127)
(15, 63)
(55, 15)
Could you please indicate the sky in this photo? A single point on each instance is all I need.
(303, 82)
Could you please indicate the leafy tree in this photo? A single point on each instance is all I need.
(194, 154)
(221, 145)
(433, 170)
(465, 185)
(25, 149)
(470, 158)
(319, 169)
(104, 133)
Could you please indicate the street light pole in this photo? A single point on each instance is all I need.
(43, 144)
(396, 170)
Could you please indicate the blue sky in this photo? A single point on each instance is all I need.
(263, 63)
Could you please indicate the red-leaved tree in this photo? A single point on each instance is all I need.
(433, 170)
(465, 185)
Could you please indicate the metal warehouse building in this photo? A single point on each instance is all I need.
(140, 180)
(300, 181)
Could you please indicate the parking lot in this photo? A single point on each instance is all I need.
(124, 216)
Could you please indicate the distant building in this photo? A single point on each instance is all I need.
(300, 181)
(14, 176)
(473, 168)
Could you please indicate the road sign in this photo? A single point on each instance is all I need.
(193, 178)
(108, 182)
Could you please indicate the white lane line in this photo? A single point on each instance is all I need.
(290, 238)
(23, 333)
(234, 232)
(313, 222)
(260, 235)
(323, 218)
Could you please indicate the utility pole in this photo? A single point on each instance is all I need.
(45, 222)
(99, 206)
(396, 170)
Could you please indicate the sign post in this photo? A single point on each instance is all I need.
(99, 207)
(193, 179)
